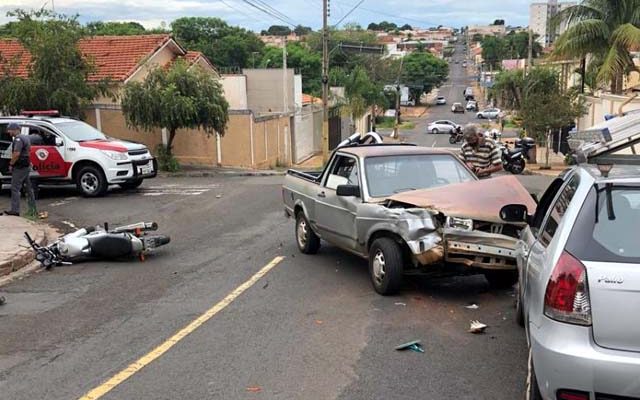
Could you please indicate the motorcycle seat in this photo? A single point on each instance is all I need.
(110, 245)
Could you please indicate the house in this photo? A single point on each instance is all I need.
(250, 140)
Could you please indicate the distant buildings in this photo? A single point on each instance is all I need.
(541, 20)
(278, 41)
(486, 30)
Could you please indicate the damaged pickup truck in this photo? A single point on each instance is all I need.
(409, 210)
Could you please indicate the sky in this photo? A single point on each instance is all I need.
(154, 13)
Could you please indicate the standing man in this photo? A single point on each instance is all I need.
(20, 167)
(480, 153)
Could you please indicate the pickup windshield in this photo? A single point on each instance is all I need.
(387, 175)
(79, 131)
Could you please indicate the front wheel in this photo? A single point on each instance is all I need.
(131, 184)
(385, 266)
(91, 181)
(517, 166)
(480, 116)
(308, 241)
(434, 131)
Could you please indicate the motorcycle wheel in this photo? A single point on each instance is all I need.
(154, 241)
(452, 140)
(517, 166)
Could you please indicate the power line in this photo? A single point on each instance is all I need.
(268, 12)
(275, 11)
(378, 12)
(349, 13)
(237, 10)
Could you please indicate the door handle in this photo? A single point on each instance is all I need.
(321, 194)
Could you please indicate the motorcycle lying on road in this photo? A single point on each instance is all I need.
(455, 136)
(99, 243)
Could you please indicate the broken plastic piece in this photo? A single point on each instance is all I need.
(401, 304)
(254, 389)
(218, 196)
(477, 327)
(2, 300)
(472, 307)
(413, 346)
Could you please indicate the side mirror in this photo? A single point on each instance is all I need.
(348, 190)
(515, 213)
(59, 142)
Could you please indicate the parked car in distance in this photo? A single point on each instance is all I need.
(472, 105)
(489, 113)
(440, 100)
(442, 126)
(68, 151)
(578, 293)
(457, 108)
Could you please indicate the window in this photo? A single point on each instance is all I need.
(41, 136)
(558, 210)
(387, 175)
(606, 229)
(344, 171)
(79, 131)
(4, 135)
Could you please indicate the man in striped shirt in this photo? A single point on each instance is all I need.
(480, 154)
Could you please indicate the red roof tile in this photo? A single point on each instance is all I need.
(115, 57)
(309, 99)
(14, 57)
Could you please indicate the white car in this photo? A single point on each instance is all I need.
(440, 100)
(489, 113)
(472, 105)
(442, 126)
(66, 150)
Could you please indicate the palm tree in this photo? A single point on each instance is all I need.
(605, 31)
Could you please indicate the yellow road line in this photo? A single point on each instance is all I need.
(148, 358)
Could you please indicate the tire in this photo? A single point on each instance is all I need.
(308, 242)
(517, 166)
(435, 131)
(501, 279)
(532, 388)
(480, 116)
(91, 181)
(131, 185)
(519, 309)
(452, 140)
(155, 241)
(385, 266)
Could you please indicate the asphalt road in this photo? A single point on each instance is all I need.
(311, 328)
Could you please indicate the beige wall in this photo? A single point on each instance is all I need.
(160, 58)
(598, 107)
(265, 88)
(235, 91)
(249, 142)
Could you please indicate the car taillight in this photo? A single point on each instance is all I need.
(571, 395)
(567, 296)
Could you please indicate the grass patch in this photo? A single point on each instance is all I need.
(390, 123)
(510, 124)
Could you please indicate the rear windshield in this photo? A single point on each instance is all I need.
(607, 229)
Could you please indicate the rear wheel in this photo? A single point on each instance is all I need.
(452, 139)
(386, 266)
(435, 131)
(517, 166)
(308, 242)
(501, 279)
(91, 181)
(131, 184)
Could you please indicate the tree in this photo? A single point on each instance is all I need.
(100, 28)
(224, 45)
(361, 93)
(494, 50)
(303, 59)
(406, 27)
(603, 30)
(302, 30)
(176, 98)
(422, 72)
(373, 27)
(57, 72)
(498, 22)
(277, 30)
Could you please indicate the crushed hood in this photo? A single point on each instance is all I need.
(479, 200)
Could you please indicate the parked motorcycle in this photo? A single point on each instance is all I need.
(513, 160)
(100, 243)
(456, 136)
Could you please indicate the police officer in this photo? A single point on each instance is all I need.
(20, 167)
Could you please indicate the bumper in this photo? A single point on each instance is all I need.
(480, 249)
(565, 357)
(127, 171)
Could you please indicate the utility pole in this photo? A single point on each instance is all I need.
(530, 51)
(285, 107)
(325, 81)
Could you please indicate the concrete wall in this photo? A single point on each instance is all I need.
(235, 91)
(598, 107)
(307, 135)
(265, 90)
(249, 142)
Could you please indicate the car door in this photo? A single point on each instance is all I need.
(47, 152)
(5, 148)
(336, 215)
(540, 238)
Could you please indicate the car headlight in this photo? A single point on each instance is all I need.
(115, 155)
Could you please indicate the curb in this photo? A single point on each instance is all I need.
(23, 258)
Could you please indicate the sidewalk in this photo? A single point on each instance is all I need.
(14, 251)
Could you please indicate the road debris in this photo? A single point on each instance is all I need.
(3, 301)
(319, 322)
(413, 346)
(477, 327)
(254, 389)
(218, 196)
(472, 307)
(401, 304)
(43, 215)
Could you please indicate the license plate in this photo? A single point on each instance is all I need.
(146, 169)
